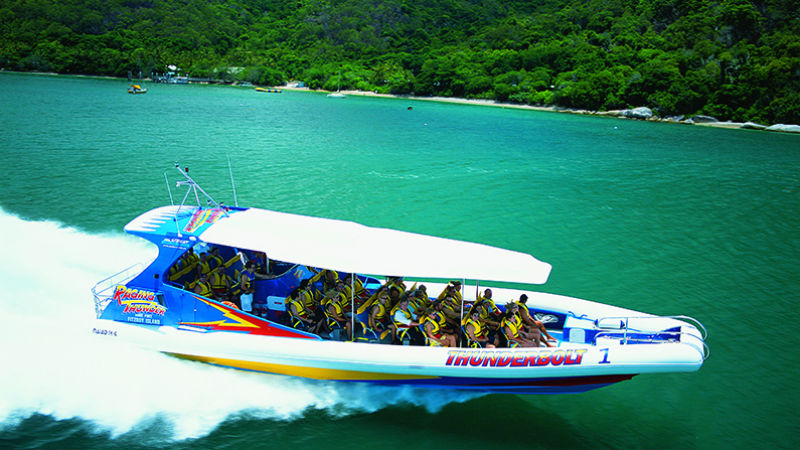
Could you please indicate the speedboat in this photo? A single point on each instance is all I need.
(152, 306)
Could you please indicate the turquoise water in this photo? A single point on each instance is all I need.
(667, 219)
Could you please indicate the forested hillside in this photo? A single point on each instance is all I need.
(733, 59)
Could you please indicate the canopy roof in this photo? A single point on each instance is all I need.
(352, 247)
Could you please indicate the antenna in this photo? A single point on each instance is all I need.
(169, 191)
(230, 171)
(194, 187)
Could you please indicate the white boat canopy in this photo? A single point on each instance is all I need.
(352, 247)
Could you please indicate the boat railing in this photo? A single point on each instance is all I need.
(622, 323)
(627, 339)
(101, 299)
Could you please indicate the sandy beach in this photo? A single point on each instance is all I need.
(496, 104)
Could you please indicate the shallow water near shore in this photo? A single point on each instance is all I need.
(661, 218)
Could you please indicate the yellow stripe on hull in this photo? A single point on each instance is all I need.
(300, 371)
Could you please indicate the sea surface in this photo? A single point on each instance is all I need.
(666, 219)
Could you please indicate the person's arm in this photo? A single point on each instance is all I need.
(372, 323)
(471, 333)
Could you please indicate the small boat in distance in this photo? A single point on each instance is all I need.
(137, 89)
(338, 93)
(229, 284)
(268, 90)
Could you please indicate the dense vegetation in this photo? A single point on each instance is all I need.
(733, 59)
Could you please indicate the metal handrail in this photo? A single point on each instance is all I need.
(107, 283)
(705, 352)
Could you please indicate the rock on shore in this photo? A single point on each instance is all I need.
(784, 128)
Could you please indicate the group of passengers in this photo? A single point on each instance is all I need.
(409, 313)
(325, 302)
(207, 275)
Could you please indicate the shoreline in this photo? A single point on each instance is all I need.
(618, 114)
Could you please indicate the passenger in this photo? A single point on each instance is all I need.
(335, 311)
(337, 295)
(453, 288)
(361, 294)
(486, 298)
(262, 263)
(190, 257)
(433, 329)
(204, 266)
(416, 302)
(394, 296)
(402, 319)
(214, 258)
(308, 294)
(299, 313)
(372, 300)
(203, 287)
(396, 282)
(221, 282)
(489, 312)
(186, 268)
(379, 314)
(451, 309)
(477, 333)
(328, 277)
(529, 321)
(512, 326)
(424, 292)
(247, 286)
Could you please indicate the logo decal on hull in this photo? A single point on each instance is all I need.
(530, 358)
(137, 301)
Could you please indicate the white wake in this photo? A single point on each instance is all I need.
(52, 364)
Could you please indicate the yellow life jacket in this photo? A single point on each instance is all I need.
(513, 324)
(219, 280)
(336, 307)
(523, 308)
(205, 267)
(477, 328)
(205, 289)
(299, 306)
(435, 324)
(308, 299)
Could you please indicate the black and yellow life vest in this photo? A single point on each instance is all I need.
(205, 288)
(514, 324)
(477, 328)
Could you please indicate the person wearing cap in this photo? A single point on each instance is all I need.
(532, 323)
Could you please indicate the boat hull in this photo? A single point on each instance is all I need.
(564, 369)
